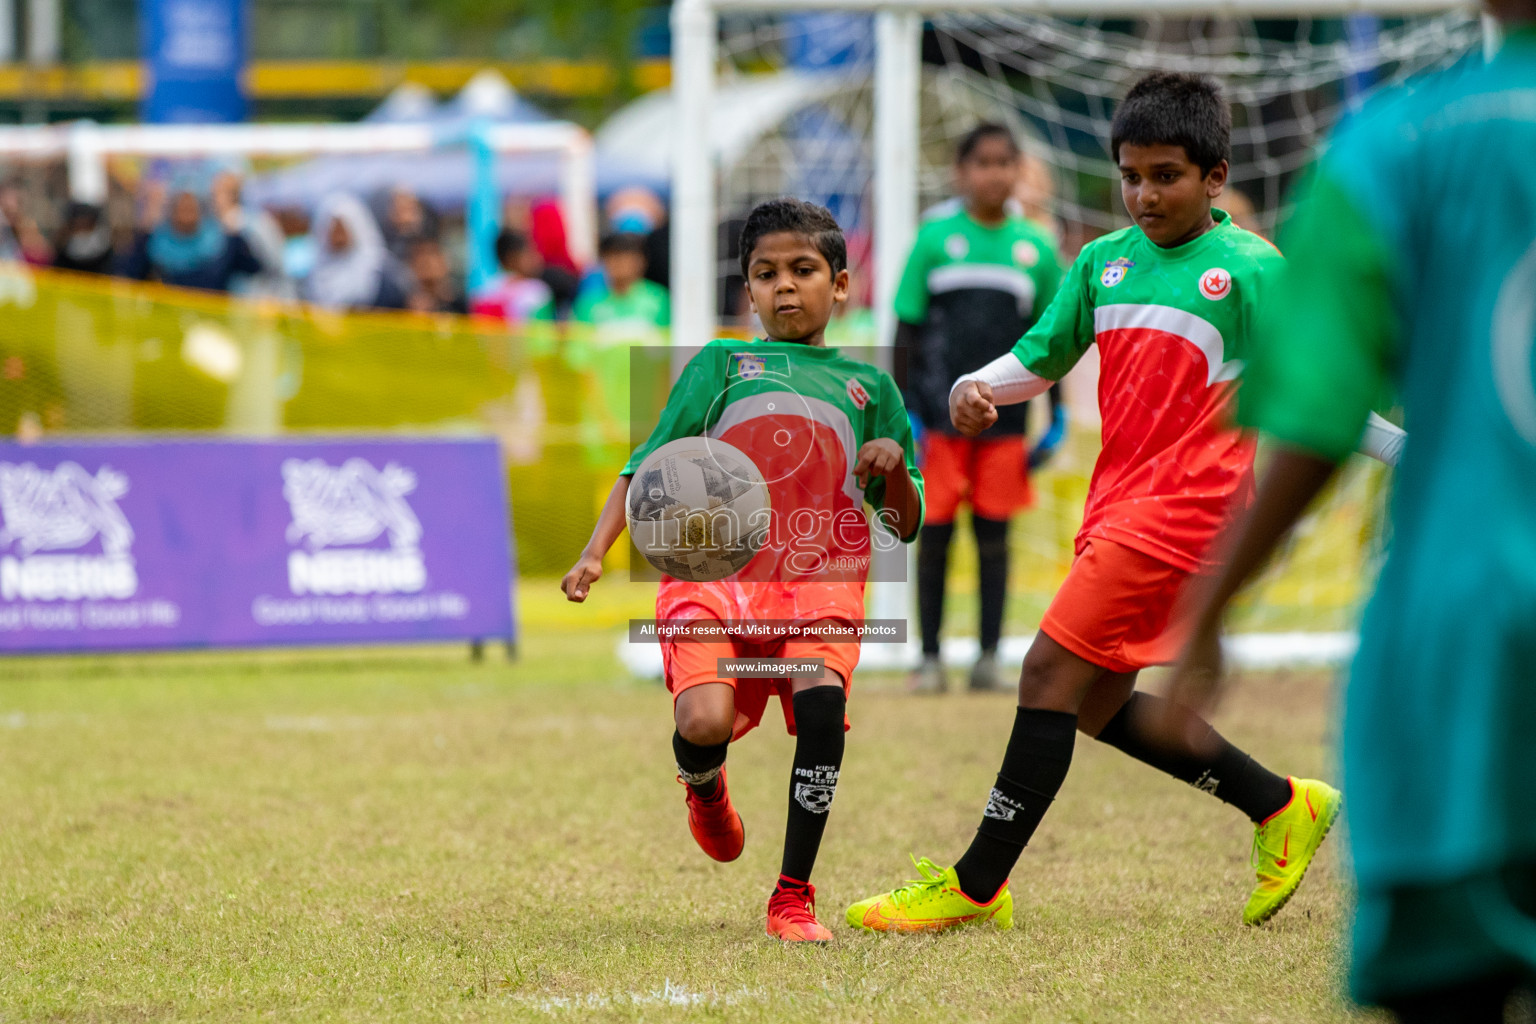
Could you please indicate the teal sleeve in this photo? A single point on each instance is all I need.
(1064, 331)
(912, 291)
(689, 403)
(892, 421)
(1323, 354)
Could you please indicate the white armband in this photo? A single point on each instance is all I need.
(1010, 381)
(1382, 441)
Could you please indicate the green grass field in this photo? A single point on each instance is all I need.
(407, 836)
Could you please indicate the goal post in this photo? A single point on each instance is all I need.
(86, 148)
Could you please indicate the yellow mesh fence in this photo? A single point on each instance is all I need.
(83, 355)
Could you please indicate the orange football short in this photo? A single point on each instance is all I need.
(692, 663)
(1118, 608)
(991, 473)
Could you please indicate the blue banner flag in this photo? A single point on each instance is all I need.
(195, 52)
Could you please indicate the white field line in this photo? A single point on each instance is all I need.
(668, 995)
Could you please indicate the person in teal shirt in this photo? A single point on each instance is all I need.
(1412, 268)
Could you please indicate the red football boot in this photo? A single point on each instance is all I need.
(792, 913)
(715, 825)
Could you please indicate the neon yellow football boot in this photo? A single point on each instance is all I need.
(1283, 845)
(930, 903)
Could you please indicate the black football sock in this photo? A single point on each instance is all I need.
(932, 567)
(1228, 774)
(813, 780)
(992, 568)
(1034, 767)
(699, 766)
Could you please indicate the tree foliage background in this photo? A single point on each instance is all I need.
(603, 31)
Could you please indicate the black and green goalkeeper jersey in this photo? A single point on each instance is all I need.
(973, 290)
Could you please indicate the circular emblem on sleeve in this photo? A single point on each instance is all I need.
(1215, 283)
(1025, 254)
(956, 247)
(857, 394)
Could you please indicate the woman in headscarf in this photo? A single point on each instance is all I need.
(353, 269)
(189, 247)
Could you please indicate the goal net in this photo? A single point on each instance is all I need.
(1056, 82)
(810, 80)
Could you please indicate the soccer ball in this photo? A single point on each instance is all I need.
(698, 509)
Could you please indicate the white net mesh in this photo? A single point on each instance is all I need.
(1056, 81)
(1287, 83)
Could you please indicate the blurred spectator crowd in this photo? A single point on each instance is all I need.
(192, 228)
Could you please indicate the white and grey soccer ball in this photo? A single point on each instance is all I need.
(698, 509)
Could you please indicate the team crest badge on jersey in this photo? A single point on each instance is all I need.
(956, 247)
(1215, 283)
(749, 366)
(857, 393)
(1114, 272)
(1025, 254)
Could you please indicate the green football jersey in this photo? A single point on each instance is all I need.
(973, 289)
(638, 314)
(800, 413)
(1173, 328)
(1412, 264)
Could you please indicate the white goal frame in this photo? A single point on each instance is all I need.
(86, 147)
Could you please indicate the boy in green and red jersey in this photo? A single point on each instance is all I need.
(1171, 303)
(828, 434)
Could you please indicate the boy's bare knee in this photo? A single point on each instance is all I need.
(703, 726)
(1053, 679)
(1036, 681)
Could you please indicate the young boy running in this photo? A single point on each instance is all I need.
(1171, 303)
(977, 276)
(828, 434)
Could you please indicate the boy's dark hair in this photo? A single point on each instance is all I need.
(509, 243)
(1168, 108)
(621, 241)
(983, 131)
(798, 217)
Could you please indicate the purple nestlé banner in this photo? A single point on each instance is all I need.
(242, 543)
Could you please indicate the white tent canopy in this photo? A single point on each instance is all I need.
(408, 101)
(443, 177)
(643, 136)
